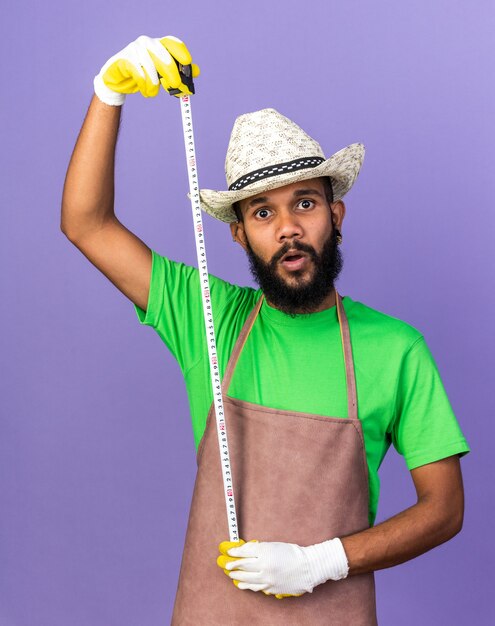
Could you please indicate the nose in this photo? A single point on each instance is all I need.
(288, 226)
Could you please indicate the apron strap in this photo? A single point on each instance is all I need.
(241, 340)
(346, 344)
(350, 375)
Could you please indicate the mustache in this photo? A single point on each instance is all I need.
(295, 245)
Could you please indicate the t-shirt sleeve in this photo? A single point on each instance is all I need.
(175, 308)
(425, 428)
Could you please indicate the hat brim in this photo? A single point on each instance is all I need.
(342, 167)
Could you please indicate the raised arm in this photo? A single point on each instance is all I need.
(88, 218)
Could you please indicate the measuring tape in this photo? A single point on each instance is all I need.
(192, 172)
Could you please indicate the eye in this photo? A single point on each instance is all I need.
(262, 213)
(305, 204)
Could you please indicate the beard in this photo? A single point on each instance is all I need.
(304, 296)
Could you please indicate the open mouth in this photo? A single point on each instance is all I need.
(294, 260)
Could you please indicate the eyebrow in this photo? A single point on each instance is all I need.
(307, 192)
(297, 194)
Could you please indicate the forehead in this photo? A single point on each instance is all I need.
(286, 190)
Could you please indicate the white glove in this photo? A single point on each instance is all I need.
(285, 568)
(136, 68)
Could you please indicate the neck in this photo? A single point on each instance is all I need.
(327, 303)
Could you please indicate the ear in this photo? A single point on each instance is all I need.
(338, 213)
(238, 233)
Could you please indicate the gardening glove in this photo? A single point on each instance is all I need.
(136, 68)
(223, 559)
(284, 569)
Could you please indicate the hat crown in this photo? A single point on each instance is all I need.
(266, 138)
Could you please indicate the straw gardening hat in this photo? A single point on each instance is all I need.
(267, 150)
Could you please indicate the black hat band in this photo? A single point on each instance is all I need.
(275, 170)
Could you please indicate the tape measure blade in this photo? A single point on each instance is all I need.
(221, 424)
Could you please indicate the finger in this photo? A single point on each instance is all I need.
(222, 561)
(253, 586)
(146, 86)
(251, 548)
(245, 577)
(149, 85)
(122, 77)
(133, 57)
(184, 89)
(147, 64)
(164, 63)
(245, 565)
(177, 49)
(226, 545)
(149, 90)
(130, 75)
(170, 73)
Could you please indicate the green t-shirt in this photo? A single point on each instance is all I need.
(296, 363)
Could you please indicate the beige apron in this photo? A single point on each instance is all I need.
(298, 478)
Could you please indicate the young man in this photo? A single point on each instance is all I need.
(316, 386)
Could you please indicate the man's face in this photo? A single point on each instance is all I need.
(291, 244)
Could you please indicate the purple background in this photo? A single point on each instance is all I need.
(97, 460)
